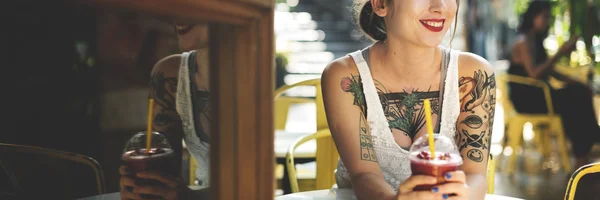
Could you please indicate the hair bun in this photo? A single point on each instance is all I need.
(370, 23)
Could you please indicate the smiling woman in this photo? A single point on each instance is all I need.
(374, 25)
(384, 87)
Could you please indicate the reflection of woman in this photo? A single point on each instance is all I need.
(179, 87)
(573, 103)
(374, 102)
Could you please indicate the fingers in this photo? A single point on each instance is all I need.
(413, 181)
(574, 38)
(456, 184)
(460, 189)
(124, 170)
(428, 195)
(456, 176)
(126, 182)
(170, 182)
(127, 195)
(165, 193)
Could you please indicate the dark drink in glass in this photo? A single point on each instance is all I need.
(160, 158)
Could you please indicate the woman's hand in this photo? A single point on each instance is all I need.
(405, 190)
(568, 46)
(127, 183)
(455, 188)
(171, 189)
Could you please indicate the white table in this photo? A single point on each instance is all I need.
(335, 194)
(109, 196)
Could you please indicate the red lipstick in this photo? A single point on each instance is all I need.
(435, 25)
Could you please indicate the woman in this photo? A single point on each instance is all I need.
(573, 103)
(382, 92)
(179, 87)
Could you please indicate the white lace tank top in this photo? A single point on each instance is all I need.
(197, 148)
(393, 159)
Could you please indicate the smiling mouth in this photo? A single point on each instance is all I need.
(183, 29)
(435, 25)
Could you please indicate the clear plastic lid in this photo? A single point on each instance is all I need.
(445, 150)
(138, 142)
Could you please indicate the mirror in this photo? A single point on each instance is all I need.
(171, 55)
(85, 76)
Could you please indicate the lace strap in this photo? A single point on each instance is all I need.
(443, 72)
(375, 115)
(451, 101)
(182, 98)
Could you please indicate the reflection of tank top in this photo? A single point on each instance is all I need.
(195, 140)
(393, 159)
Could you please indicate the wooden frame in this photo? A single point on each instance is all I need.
(242, 66)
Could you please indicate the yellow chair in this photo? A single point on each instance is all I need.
(193, 165)
(593, 172)
(27, 163)
(322, 134)
(515, 121)
(326, 153)
(321, 118)
(282, 106)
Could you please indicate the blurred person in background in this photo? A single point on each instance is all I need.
(574, 102)
(179, 114)
(374, 102)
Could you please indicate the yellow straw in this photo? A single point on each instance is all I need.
(149, 128)
(427, 106)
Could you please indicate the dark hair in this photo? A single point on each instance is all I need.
(372, 24)
(535, 8)
(527, 19)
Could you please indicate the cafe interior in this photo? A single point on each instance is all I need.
(92, 83)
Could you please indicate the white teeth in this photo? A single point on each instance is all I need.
(434, 24)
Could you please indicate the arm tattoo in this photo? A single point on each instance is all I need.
(352, 84)
(163, 90)
(480, 92)
(475, 130)
(166, 120)
(367, 151)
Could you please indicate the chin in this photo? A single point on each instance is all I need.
(431, 42)
(186, 47)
